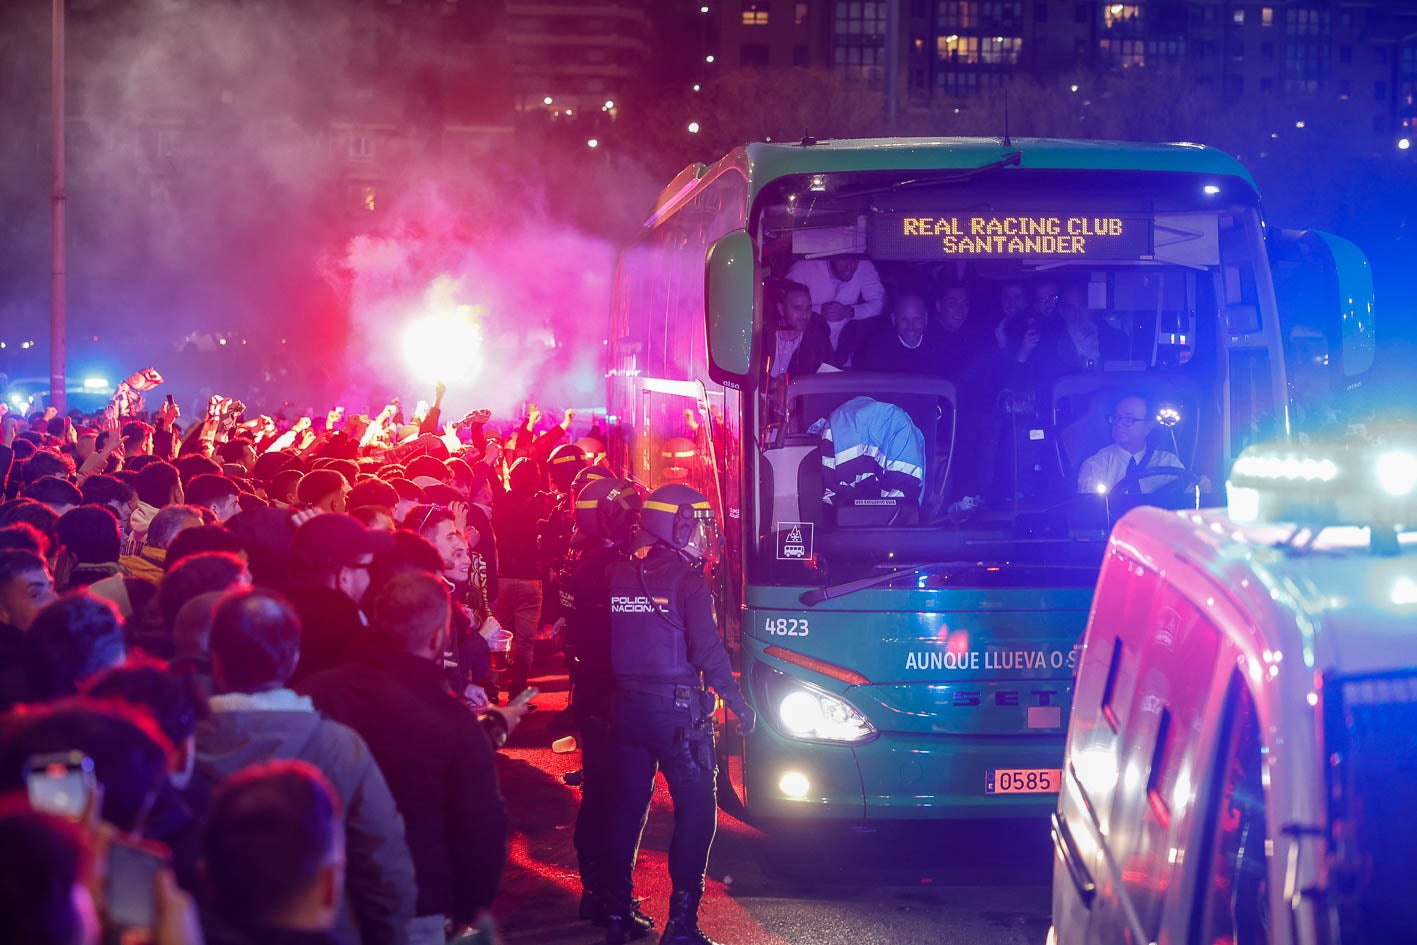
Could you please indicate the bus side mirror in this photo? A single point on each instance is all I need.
(1355, 304)
(1325, 288)
(732, 296)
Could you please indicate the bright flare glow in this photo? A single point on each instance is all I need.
(17, 400)
(794, 784)
(593, 143)
(609, 104)
(1404, 592)
(1072, 88)
(1211, 190)
(1397, 472)
(1286, 467)
(1244, 504)
(445, 345)
(708, 58)
(693, 127)
(95, 383)
(1404, 143)
(547, 100)
(696, 86)
(800, 712)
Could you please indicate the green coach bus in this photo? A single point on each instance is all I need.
(910, 650)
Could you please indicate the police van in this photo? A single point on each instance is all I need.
(1242, 754)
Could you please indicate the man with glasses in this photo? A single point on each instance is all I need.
(1124, 464)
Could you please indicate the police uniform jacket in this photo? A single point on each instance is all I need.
(663, 628)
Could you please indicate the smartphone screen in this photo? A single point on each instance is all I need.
(132, 871)
(60, 784)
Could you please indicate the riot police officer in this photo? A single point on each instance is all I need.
(665, 651)
(554, 542)
(606, 512)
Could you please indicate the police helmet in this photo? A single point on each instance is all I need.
(676, 458)
(681, 518)
(607, 509)
(565, 461)
(588, 475)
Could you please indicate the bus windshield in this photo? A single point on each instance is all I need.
(987, 369)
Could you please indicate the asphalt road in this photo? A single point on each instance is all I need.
(983, 883)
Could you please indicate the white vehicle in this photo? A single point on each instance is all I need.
(1242, 755)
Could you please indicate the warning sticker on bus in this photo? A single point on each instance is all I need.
(794, 541)
(1009, 236)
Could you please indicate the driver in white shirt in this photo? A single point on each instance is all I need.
(1124, 462)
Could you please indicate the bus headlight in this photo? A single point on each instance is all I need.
(805, 712)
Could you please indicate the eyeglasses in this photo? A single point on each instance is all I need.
(427, 515)
(1128, 421)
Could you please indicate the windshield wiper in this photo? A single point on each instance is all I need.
(944, 176)
(817, 595)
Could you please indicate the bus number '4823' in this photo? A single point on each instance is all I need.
(785, 626)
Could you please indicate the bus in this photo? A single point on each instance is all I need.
(911, 651)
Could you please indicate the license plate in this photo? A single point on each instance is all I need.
(1023, 780)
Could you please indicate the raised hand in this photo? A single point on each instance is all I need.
(304, 515)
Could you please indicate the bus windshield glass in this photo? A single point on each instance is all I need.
(987, 369)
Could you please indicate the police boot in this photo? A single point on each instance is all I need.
(594, 907)
(683, 925)
(627, 925)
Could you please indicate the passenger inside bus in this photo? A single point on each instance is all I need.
(910, 345)
(802, 341)
(1081, 341)
(844, 288)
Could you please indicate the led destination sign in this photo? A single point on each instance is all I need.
(1009, 236)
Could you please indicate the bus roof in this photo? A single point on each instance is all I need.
(762, 162)
(1336, 607)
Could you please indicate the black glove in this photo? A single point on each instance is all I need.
(747, 720)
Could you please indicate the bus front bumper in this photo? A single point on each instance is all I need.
(896, 776)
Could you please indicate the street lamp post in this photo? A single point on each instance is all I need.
(56, 280)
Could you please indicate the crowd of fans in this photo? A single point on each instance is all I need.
(253, 674)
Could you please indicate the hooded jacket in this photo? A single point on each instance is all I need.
(379, 882)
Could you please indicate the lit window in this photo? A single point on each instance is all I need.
(1237, 16)
(1119, 14)
(799, 14)
(1266, 16)
(955, 48)
(361, 148)
(755, 13)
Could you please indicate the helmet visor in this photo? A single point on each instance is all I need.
(703, 539)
